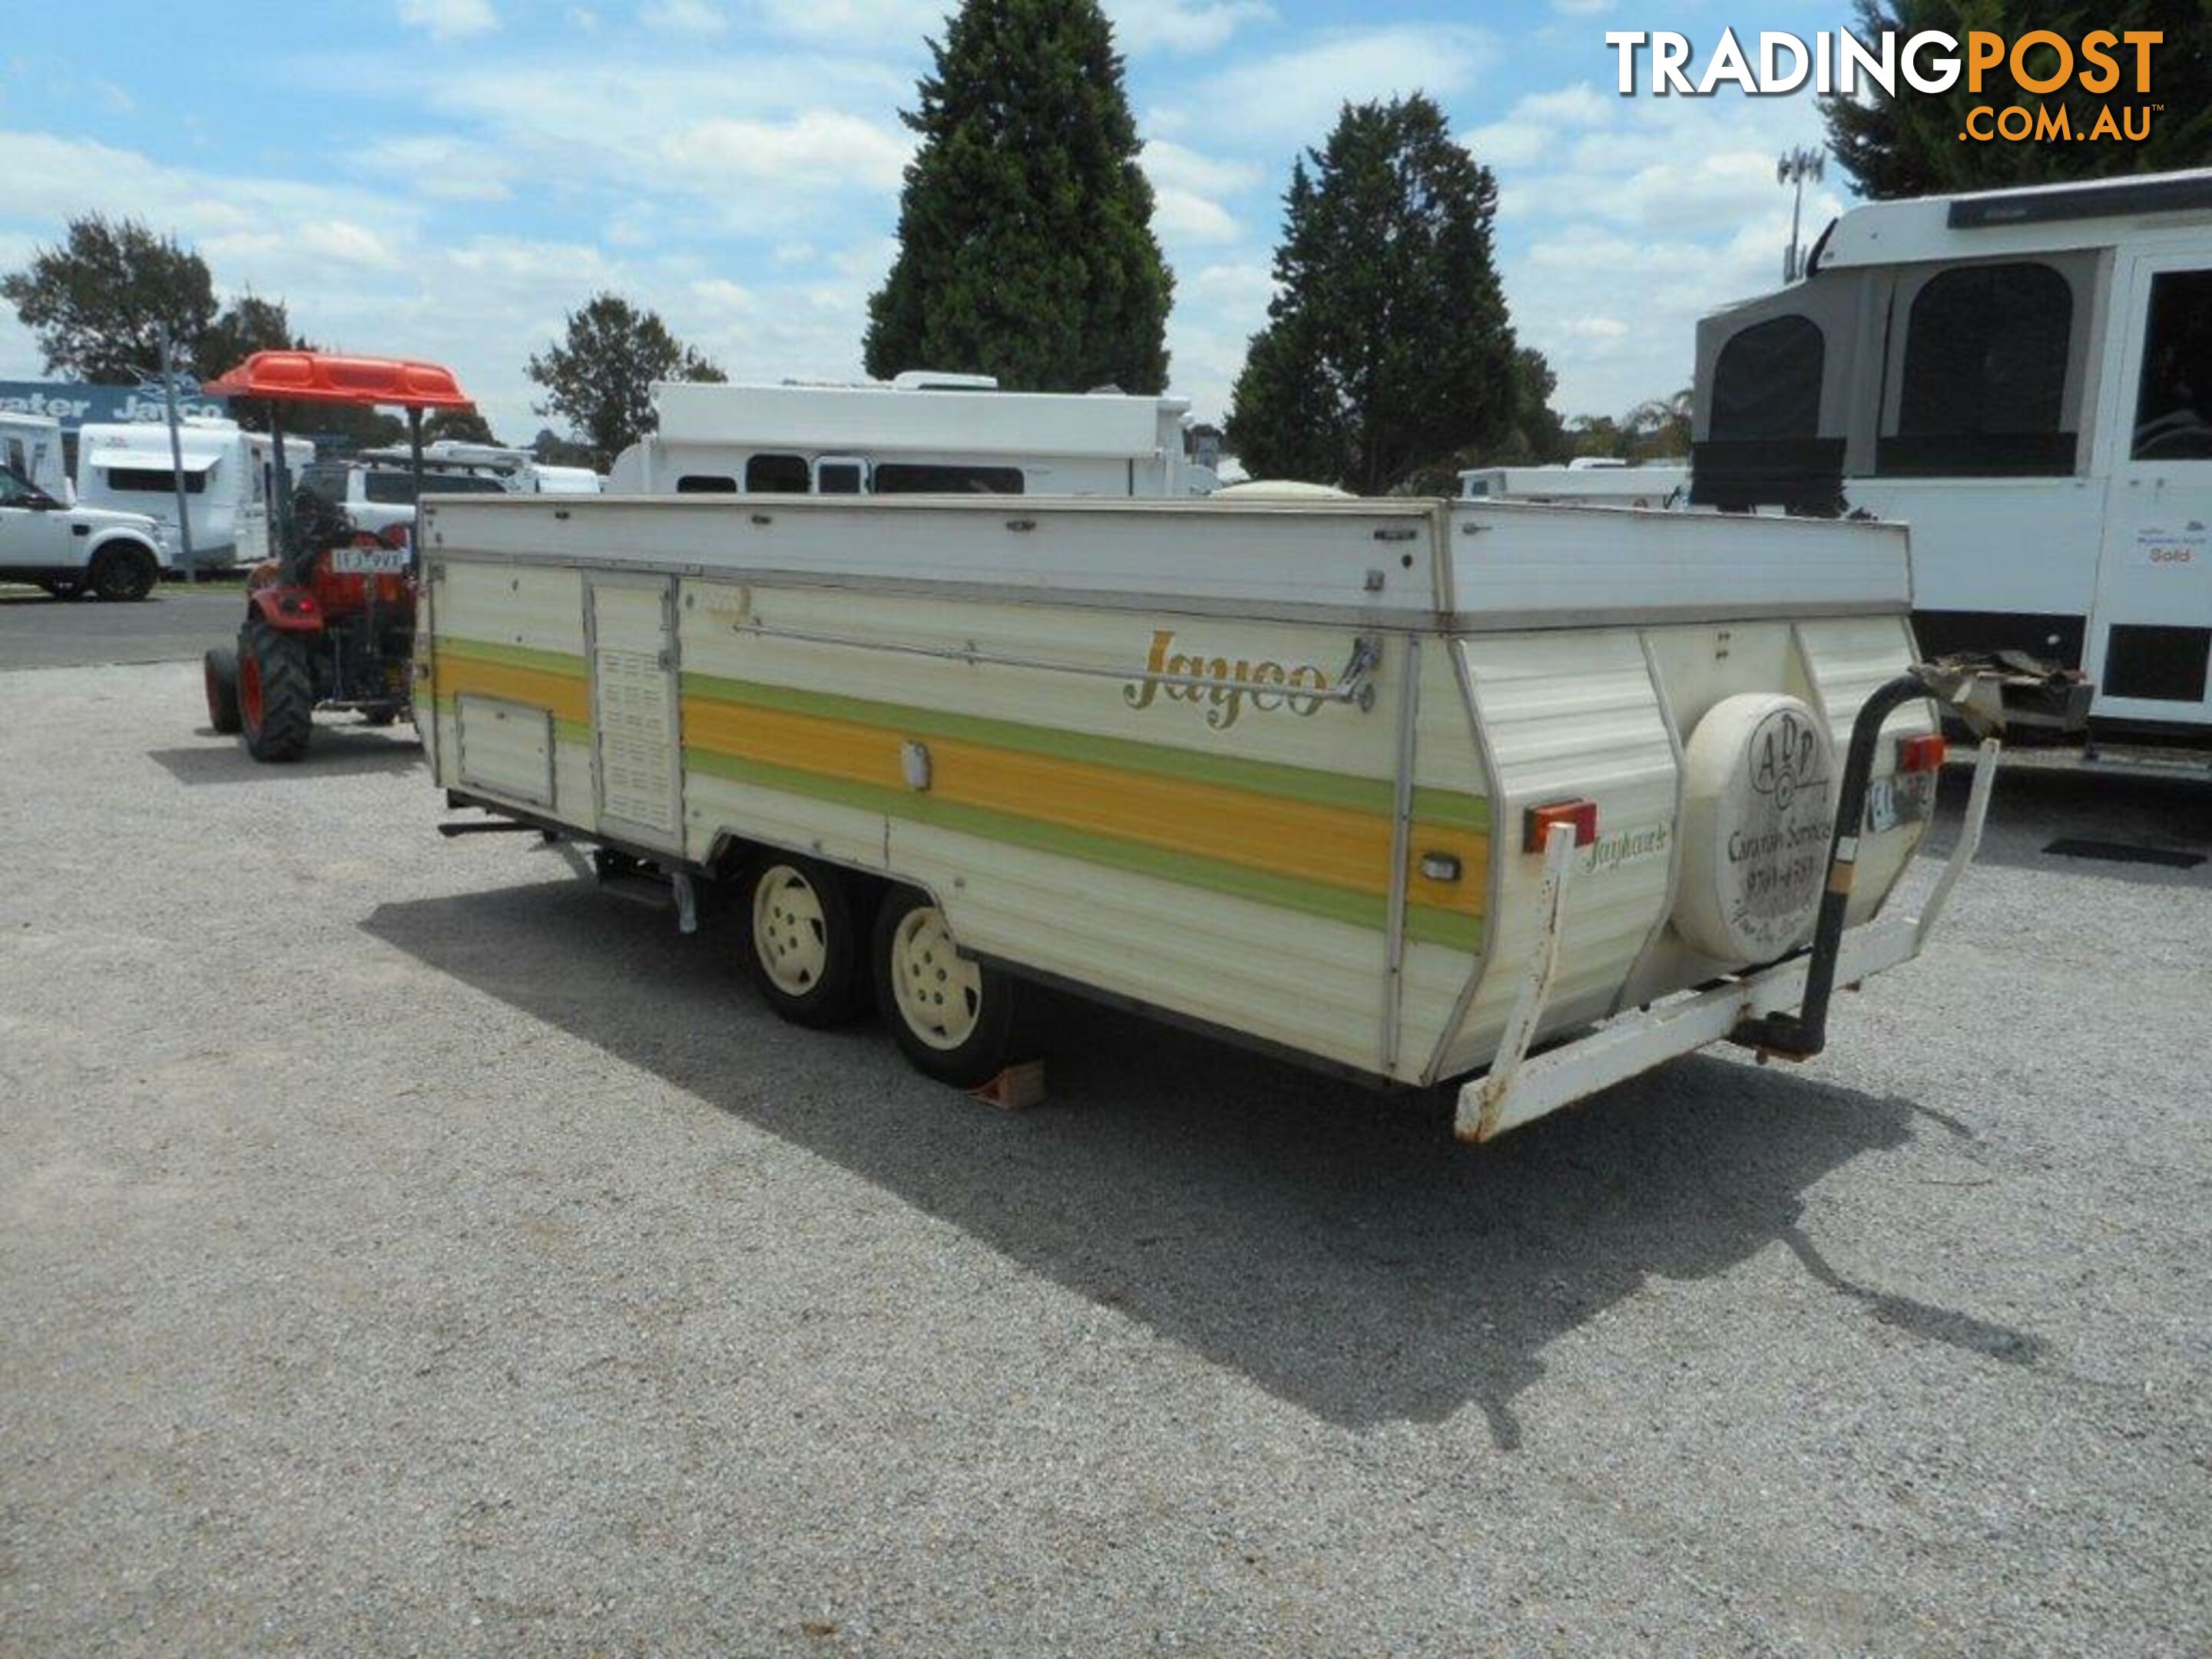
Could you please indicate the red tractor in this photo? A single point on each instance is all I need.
(330, 620)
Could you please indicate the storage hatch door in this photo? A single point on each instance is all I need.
(634, 709)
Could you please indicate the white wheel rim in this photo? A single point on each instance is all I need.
(790, 933)
(939, 992)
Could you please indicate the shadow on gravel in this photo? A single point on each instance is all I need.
(335, 752)
(1337, 1247)
(2030, 810)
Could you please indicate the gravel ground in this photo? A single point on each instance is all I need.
(408, 1250)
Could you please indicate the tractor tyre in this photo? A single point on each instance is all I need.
(276, 692)
(123, 572)
(219, 671)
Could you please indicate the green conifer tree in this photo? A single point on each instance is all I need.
(1025, 241)
(1388, 348)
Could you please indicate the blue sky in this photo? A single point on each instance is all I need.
(446, 179)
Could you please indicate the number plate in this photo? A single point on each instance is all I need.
(1892, 801)
(369, 560)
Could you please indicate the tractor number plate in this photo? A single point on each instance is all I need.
(369, 560)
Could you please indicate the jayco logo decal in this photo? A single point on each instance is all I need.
(1226, 686)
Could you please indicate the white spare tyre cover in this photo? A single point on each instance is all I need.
(1757, 807)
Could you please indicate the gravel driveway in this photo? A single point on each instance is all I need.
(409, 1249)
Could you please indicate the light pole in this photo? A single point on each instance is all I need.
(1796, 166)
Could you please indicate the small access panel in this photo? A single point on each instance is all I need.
(637, 759)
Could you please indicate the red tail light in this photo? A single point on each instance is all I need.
(1921, 754)
(1536, 824)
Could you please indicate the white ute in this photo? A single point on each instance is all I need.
(69, 549)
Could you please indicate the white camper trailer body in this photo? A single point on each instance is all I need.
(228, 478)
(917, 435)
(1271, 766)
(2024, 376)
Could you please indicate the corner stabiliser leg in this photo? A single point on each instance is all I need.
(1480, 1104)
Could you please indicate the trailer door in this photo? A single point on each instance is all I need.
(2149, 649)
(631, 623)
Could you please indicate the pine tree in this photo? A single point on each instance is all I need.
(1025, 241)
(1909, 144)
(1387, 347)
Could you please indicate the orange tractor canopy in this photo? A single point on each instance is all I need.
(330, 621)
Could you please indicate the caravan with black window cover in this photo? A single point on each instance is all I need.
(2025, 376)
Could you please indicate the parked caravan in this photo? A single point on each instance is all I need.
(228, 479)
(919, 434)
(2026, 376)
(1591, 481)
(1409, 789)
(31, 448)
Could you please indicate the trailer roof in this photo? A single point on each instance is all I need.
(1404, 560)
(876, 419)
(2038, 218)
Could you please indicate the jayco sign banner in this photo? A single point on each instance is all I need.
(75, 405)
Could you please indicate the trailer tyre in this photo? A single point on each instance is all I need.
(1757, 804)
(954, 1018)
(805, 954)
(219, 673)
(276, 693)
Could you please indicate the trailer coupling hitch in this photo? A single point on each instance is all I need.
(1978, 699)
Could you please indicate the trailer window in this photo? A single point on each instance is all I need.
(918, 478)
(777, 475)
(149, 480)
(706, 484)
(1985, 353)
(2173, 412)
(1766, 382)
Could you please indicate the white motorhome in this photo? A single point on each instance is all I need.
(228, 480)
(31, 448)
(1592, 481)
(2025, 376)
(921, 434)
(1406, 787)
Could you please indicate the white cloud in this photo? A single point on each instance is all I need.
(449, 19)
(1539, 122)
(1292, 98)
(1582, 8)
(857, 26)
(1178, 215)
(819, 147)
(1145, 26)
(451, 169)
(1175, 166)
(683, 17)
